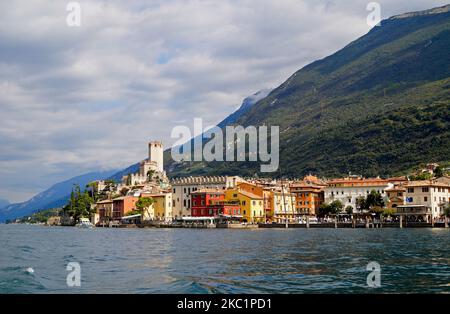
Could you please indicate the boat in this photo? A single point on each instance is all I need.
(85, 223)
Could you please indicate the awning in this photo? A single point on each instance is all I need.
(131, 217)
(197, 218)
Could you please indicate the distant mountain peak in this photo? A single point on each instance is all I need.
(246, 105)
(438, 10)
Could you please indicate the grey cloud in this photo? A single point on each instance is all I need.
(76, 99)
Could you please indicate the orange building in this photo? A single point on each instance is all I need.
(308, 197)
(123, 205)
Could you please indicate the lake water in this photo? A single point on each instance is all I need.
(223, 261)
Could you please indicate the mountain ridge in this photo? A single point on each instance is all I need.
(55, 196)
(402, 66)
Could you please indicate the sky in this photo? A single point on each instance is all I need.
(89, 98)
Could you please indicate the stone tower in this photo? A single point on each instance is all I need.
(155, 154)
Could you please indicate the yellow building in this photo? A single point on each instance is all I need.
(161, 209)
(265, 193)
(252, 208)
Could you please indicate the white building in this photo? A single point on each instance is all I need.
(183, 187)
(284, 206)
(433, 194)
(347, 190)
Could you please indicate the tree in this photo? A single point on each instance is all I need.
(361, 203)
(144, 204)
(374, 199)
(324, 210)
(92, 187)
(79, 204)
(447, 211)
(438, 172)
(374, 202)
(150, 174)
(349, 210)
(336, 207)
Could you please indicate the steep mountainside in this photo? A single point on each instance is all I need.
(378, 106)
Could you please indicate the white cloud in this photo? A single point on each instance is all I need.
(75, 99)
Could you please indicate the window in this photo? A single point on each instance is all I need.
(425, 190)
(410, 190)
(184, 203)
(425, 199)
(174, 190)
(184, 190)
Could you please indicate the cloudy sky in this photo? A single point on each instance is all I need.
(77, 99)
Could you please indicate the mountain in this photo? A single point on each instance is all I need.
(55, 196)
(378, 106)
(247, 104)
(3, 203)
(173, 167)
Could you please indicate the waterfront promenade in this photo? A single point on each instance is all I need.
(323, 225)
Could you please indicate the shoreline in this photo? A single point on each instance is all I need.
(340, 225)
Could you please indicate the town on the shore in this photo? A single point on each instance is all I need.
(149, 199)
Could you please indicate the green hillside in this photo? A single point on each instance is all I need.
(381, 105)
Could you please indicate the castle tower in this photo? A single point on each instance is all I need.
(156, 154)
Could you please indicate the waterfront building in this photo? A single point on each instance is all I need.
(211, 203)
(415, 213)
(396, 196)
(347, 190)
(105, 211)
(262, 189)
(309, 195)
(203, 200)
(283, 206)
(183, 187)
(161, 209)
(123, 206)
(251, 205)
(432, 194)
